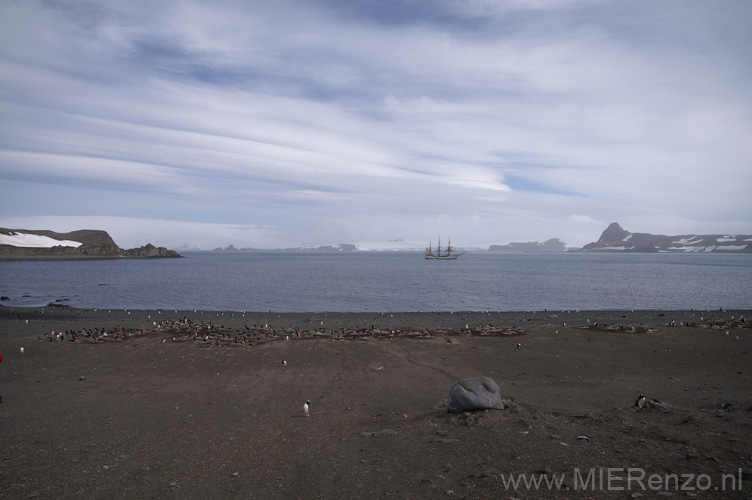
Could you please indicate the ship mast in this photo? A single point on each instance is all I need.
(439, 254)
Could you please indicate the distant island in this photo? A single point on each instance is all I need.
(82, 244)
(551, 245)
(613, 239)
(616, 239)
(341, 247)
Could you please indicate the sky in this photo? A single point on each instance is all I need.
(273, 124)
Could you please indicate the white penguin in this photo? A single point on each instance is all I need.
(306, 408)
(284, 364)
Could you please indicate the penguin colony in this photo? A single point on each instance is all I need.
(718, 324)
(208, 334)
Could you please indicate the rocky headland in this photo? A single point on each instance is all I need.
(85, 243)
(616, 239)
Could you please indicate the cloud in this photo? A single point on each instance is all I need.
(495, 121)
(585, 219)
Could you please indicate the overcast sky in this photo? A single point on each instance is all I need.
(278, 123)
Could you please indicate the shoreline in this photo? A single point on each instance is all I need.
(432, 319)
(61, 257)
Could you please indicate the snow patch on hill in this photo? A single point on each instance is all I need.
(34, 241)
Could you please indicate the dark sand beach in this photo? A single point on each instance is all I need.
(159, 411)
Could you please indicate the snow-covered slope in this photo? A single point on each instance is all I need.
(26, 240)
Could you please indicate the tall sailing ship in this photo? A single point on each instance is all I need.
(439, 255)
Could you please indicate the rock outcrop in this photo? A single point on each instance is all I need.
(149, 251)
(616, 239)
(473, 394)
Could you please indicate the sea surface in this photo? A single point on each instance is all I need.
(386, 281)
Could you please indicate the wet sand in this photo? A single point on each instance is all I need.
(155, 411)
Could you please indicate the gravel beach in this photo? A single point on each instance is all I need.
(200, 404)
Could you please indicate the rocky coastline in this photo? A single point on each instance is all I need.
(94, 244)
(617, 239)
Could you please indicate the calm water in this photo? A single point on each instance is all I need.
(387, 281)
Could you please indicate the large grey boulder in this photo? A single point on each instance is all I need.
(474, 394)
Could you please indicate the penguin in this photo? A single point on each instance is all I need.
(21, 350)
(284, 364)
(519, 346)
(640, 402)
(306, 408)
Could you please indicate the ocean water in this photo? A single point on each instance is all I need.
(386, 281)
